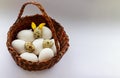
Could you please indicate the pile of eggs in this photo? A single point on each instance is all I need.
(35, 44)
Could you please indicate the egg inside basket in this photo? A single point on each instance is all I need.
(36, 42)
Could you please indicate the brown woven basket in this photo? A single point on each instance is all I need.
(25, 23)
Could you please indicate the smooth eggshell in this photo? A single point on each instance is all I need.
(54, 47)
(46, 54)
(46, 33)
(26, 35)
(29, 57)
(18, 45)
(38, 45)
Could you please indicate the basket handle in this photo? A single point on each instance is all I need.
(47, 18)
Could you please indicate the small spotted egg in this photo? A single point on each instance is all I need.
(29, 47)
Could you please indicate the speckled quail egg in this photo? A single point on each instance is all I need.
(38, 45)
(47, 43)
(29, 57)
(29, 47)
(37, 33)
(18, 45)
(26, 35)
(45, 55)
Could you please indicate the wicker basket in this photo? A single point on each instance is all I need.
(24, 23)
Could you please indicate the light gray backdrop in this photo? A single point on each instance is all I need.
(93, 27)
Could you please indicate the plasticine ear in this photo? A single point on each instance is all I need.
(33, 25)
(41, 25)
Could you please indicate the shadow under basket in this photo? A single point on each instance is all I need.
(22, 23)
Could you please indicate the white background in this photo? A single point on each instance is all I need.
(93, 27)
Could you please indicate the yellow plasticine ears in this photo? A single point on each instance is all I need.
(33, 25)
(41, 25)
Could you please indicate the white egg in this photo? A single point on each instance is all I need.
(46, 33)
(26, 35)
(54, 47)
(18, 45)
(46, 54)
(38, 45)
(29, 57)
